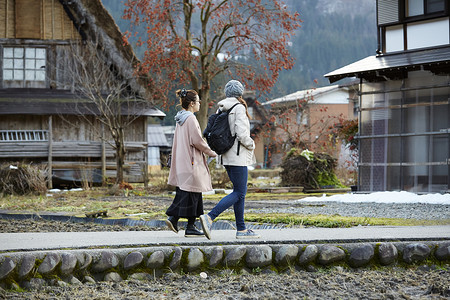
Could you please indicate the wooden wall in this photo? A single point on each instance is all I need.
(70, 128)
(23, 122)
(35, 19)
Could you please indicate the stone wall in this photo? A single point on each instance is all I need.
(34, 269)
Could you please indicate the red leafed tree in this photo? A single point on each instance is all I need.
(194, 42)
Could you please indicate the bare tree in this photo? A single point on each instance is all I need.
(301, 124)
(103, 95)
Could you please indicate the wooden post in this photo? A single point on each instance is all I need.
(42, 20)
(103, 156)
(53, 20)
(146, 152)
(6, 19)
(50, 153)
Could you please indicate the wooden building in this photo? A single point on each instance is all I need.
(259, 125)
(404, 130)
(42, 120)
(304, 119)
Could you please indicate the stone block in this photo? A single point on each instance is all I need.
(68, 263)
(34, 284)
(329, 254)
(286, 255)
(133, 260)
(88, 279)
(72, 280)
(6, 267)
(361, 256)
(234, 257)
(443, 252)
(416, 252)
(108, 260)
(84, 260)
(195, 259)
(176, 259)
(216, 257)
(140, 276)
(113, 277)
(156, 260)
(49, 264)
(387, 253)
(309, 255)
(27, 264)
(259, 256)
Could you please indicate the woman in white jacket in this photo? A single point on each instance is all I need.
(236, 160)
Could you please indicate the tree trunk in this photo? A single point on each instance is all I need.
(120, 162)
(202, 115)
(120, 153)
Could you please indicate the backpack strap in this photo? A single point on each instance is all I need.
(228, 111)
(239, 143)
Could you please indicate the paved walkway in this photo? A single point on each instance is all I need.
(78, 240)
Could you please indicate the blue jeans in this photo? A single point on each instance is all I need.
(238, 176)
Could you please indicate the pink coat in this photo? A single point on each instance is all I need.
(189, 169)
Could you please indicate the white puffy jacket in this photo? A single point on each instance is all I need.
(239, 125)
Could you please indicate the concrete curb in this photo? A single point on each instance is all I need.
(24, 269)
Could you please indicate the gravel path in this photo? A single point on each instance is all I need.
(419, 211)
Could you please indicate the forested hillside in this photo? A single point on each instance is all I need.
(334, 33)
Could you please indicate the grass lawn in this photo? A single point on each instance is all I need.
(146, 204)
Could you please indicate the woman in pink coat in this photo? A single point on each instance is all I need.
(189, 171)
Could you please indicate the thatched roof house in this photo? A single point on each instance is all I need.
(39, 100)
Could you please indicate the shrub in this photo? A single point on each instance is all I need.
(308, 169)
(219, 176)
(22, 179)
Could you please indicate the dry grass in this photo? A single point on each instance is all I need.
(22, 179)
(81, 202)
(146, 205)
(152, 202)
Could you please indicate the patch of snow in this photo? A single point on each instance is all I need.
(383, 197)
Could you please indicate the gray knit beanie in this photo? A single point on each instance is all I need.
(234, 89)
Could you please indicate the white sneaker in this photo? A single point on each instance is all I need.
(249, 234)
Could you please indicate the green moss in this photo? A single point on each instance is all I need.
(184, 259)
(327, 221)
(329, 179)
(18, 290)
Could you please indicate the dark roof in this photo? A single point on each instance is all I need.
(375, 67)
(64, 107)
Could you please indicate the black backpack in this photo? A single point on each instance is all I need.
(218, 133)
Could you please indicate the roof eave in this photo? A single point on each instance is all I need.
(381, 66)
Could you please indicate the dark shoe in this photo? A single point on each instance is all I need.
(172, 224)
(192, 231)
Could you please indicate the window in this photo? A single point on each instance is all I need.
(406, 146)
(424, 7)
(23, 135)
(24, 67)
(435, 6)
